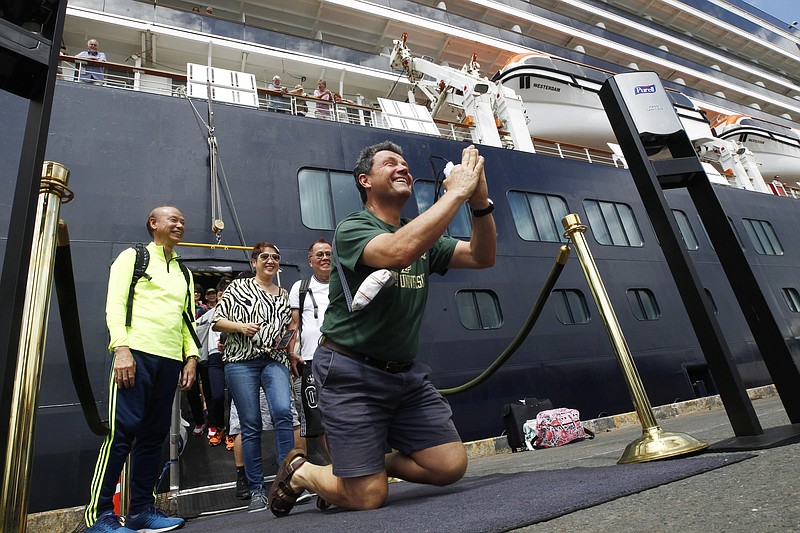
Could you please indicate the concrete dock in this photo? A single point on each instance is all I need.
(759, 494)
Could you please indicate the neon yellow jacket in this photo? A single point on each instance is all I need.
(157, 325)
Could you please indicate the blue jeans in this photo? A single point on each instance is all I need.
(244, 378)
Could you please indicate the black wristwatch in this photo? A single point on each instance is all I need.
(477, 213)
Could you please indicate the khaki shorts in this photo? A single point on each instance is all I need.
(367, 412)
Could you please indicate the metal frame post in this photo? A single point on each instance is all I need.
(42, 71)
(683, 169)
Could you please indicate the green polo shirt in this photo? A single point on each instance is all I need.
(388, 328)
(157, 325)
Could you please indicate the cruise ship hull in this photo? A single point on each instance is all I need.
(128, 151)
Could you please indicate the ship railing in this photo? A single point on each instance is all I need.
(122, 76)
(575, 152)
(454, 130)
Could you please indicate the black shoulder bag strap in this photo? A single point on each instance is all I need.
(139, 271)
(188, 317)
(304, 283)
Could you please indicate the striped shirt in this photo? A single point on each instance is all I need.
(245, 302)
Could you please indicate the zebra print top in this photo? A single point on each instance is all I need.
(245, 301)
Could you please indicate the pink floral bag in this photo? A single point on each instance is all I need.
(555, 427)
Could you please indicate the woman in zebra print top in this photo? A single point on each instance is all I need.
(255, 312)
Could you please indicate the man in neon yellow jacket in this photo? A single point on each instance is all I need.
(153, 351)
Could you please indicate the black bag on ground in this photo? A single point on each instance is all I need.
(516, 414)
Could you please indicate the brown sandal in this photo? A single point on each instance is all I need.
(281, 496)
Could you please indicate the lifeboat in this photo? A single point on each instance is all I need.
(776, 149)
(562, 102)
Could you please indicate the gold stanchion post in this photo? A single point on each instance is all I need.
(654, 443)
(27, 378)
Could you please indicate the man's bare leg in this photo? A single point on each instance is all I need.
(439, 465)
(355, 493)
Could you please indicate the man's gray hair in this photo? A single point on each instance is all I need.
(366, 159)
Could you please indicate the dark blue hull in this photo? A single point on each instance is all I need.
(129, 151)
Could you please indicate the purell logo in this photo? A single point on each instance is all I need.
(644, 89)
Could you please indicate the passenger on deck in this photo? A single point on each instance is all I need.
(216, 378)
(309, 300)
(341, 107)
(91, 72)
(369, 382)
(279, 104)
(211, 297)
(208, 417)
(199, 307)
(149, 352)
(300, 102)
(322, 92)
(255, 313)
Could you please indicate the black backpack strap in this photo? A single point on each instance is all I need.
(139, 271)
(302, 293)
(188, 317)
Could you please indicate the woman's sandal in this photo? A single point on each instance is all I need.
(281, 496)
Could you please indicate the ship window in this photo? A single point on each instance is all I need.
(643, 304)
(326, 197)
(479, 309)
(687, 233)
(792, 298)
(613, 223)
(763, 237)
(461, 226)
(538, 216)
(524, 82)
(570, 306)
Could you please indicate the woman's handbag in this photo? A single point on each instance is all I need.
(555, 427)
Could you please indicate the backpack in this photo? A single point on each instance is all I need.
(555, 427)
(140, 271)
(203, 329)
(302, 296)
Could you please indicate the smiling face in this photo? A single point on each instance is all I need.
(166, 225)
(267, 263)
(389, 177)
(319, 258)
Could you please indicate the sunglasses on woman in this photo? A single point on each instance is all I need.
(266, 256)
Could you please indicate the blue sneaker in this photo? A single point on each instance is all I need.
(153, 520)
(108, 522)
